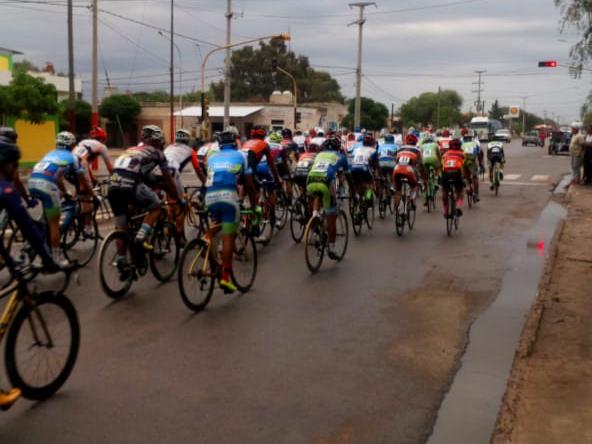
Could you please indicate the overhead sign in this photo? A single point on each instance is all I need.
(514, 112)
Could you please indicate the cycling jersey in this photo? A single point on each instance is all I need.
(495, 153)
(304, 164)
(453, 160)
(139, 163)
(429, 154)
(363, 157)
(444, 143)
(318, 141)
(387, 155)
(90, 149)
(408, 158)
(321, 178)
(300, 141)
(58, 161)
(471, 152)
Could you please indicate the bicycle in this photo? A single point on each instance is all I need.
(471, 196)
(162, 259)
(384, 197)
(452, 218)
(264, 231)
(299, 215)
(316, 237)
(496, 177)
(31, 323)
(101, 190)
(76, 243)
(431, 189)
(201, 266)
(361, 210)
(196, 214)
(406, 215)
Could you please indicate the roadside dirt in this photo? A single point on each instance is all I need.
(549, 394)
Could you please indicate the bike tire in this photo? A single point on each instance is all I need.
(451, 214)
(165, 240)
(369, 214)
(89, 249)
(246, 254)
(356, 215)
(191, 270)
(411, 215)
(400, 220)
(314, 244)
(298, 221)
(28, 315)
(266, 226)
(106, 260)
(341, 232)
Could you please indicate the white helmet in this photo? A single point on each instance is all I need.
(65, 138)
(182, 136)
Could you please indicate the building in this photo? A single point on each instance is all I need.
(6, 64)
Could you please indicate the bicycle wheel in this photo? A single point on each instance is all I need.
(244, 264)
(496, 179)
(451, 213)
(164, 258)
(42, 345)
(298, 221)
(79, 246)
(470, 196)
(382, 203)
(196, 279)
(116, 277)
(314, 244)
(410, 215)
(342, 235)
(356, 215)
(266, 226)
(193, 225)
(400, 218)
(369, 213)
(282, 208)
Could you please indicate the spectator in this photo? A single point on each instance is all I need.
(576, 149)
(588, 157)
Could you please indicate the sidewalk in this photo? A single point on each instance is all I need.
(549, 394)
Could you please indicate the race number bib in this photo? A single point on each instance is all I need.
(321, 167)
(450, 164)
(404, 160)
(304, 164)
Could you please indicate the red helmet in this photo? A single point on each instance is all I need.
(445, 133)
(98, 133)
(464, 132)
(369, 139)
(258, 133)
(411, 139)
(455, 144)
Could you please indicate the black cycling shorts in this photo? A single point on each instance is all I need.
(454, 177)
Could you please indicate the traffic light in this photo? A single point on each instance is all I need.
(298, 117)
(548, 64)
(274, 64)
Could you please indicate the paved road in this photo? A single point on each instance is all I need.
(361, 352)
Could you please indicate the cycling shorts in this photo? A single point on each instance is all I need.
(142, 197)
(327, 193)
(387, 163)
(48, 193)
(430, 161)
(361, 176)
(300, 179)
(470, 166)
(265, 177)
(387, 171)
(404, 172)
(283, 170)
(223, 206)
(455, 177)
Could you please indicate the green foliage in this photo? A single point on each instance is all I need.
(495, 112)
(153, 97)
(423, 109)
(577, 14)
(28, 98)
(24, 66)
(373, 114)
(82, 111)
(120, 107)
(252, 77)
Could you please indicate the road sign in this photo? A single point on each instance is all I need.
(514, 112)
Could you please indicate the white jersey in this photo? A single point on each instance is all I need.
(362, 156)
(178, 155)
(318, 141)
(90, 149)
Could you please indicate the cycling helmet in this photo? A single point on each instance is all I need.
(464, 132)
(389, 139)
(445, 133)
(369, 140)
(428, 138)
(65, 138)
(455, 144)
(98, 133)
(287, 133)
(411, 139)
(275, 138)
(298, 133)
(228, 136)
(182, 136)
(258, 132)
(331, 145)
(8, 133)
(152, 133)
(9, 151)
(320, 133)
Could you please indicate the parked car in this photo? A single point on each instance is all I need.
(532, 138)
(503, 135)
(559, 142)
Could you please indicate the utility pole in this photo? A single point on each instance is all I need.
(524, 114)
(391, 120)
(227, 64)
(71, 87)
(360, 22)
(438, 112)
(94, 117)
(479, 106)
(172, 74)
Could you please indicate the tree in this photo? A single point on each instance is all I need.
(82, 111)
(253, 79)
(578, 15)
(495, 112)
(154, 96)
(25, 66)
(423, 109)
(373, 114)
(28, 98)
(120, 108)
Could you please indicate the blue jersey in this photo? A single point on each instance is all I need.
(326, 166)
(363, 158)
(58, 161)
(224, 169)
(387, 155)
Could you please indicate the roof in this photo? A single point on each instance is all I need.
(218, 111)
(10, 51)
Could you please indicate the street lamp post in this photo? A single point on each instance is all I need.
(205, 120)
(294, 86)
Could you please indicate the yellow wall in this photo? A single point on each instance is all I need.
(35, 140)
(4, 63)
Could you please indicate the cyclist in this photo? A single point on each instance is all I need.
(290, 155)
(178, 155)
(10, 136)
(364, 164)
(431, 158)
(225, 169)
(137, 172)
(303, 166)
(495, 154)
(321, 180)
(473, 156)
(47, 185)
(452, 167)
(409, 165)
(444, 141)
(319, 137)
(300, 140)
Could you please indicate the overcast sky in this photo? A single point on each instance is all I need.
(410, 46)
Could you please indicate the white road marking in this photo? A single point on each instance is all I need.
(512, 176)
(539, 178)
(524, 184)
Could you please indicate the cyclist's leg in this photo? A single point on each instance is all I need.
(460, 198)
(224, 207)
(47, 192)
(147, 199)
(397, 186)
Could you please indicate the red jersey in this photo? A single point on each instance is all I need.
(258, 146)
(453, 160)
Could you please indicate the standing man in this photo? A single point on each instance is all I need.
(576, 149)
(588, 157)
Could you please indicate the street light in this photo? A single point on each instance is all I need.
(205, 121)
(180, 78)
(275, 67)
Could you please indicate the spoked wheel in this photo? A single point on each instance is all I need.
(78, 245)
(314, 244)
(400, 212)
(411, 213)
(282, 209)
(116, 275)
(382, 203)
(193, 226)
(42, 345)
(369, 213)
(356, 215)
(298, 221)
(470, 196)
(451, 216)
(266, 227)
(342, 235)
(196, 278)
(164, 258)
(244, 264)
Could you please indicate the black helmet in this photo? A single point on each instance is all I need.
(152, 133)
(331, 144)
(228, 136)
(9, 152)
(8, 133)
(287, 133)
